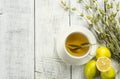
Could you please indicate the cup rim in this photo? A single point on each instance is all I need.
(88, 35)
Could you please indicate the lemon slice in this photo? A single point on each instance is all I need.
(103, 64)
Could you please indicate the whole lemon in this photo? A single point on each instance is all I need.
(90, 69)
(103, 51)
(111, 74)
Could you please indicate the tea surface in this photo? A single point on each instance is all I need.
(73, 41)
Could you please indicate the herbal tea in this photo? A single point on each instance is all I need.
(76, 44)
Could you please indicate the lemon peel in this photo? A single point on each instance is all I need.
(103, 51)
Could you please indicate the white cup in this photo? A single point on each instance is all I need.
(66, 56)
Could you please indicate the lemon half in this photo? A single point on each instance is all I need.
(103, 64)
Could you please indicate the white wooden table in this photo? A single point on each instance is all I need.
(28, 30)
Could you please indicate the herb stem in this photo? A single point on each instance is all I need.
(76, 47)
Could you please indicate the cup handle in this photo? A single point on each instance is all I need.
(93, 51)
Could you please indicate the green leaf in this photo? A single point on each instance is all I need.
(90, 26)
(73, 9)
(81, 14)
(102, 12)
(117, 7)
(97, 18)
(114, 21)
(66, 7)
(105, 1)
(87, 6)
(92, 20)
(63, 2)
(119, 19)
(109, 18)
(94, 0)
(88, 17)
(103, 20)
(109, 6)
(113, 14)
(90, 6)
(96, 8)
(79, 1)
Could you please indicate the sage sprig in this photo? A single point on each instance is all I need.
(65, 5)
(74, 47)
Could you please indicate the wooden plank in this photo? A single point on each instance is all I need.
(76, 21)
(51, 19)
(17, 39)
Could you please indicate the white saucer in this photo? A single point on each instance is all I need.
(61, 50)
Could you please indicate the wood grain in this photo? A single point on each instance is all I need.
(17, 39)
(51, 19)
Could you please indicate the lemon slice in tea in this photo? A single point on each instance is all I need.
(103, 64)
